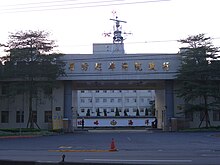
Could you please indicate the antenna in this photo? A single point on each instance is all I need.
(117, 35)
(117, 38)
(117, 30)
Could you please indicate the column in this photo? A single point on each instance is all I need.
(68, 106)
(169, 104)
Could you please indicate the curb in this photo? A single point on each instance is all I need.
(18, 136)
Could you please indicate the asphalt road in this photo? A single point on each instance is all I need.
(134, 147)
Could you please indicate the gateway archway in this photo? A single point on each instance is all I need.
(110, 68)
(164, 95)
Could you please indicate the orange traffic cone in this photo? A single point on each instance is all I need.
(113, 148)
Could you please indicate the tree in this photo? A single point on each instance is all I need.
(105, 112)
(125, 112)
(146, 112)
(30, 61)
(137, 112)
(196, 75)
(117, 112)
(88, 112)
(98, 112)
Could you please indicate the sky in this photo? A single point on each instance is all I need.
(156, 25)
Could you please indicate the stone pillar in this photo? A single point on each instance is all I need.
(169, 104)
(160, 108)
(74, 108)
(68, 122)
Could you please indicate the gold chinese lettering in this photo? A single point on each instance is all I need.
(72, 66)
(112, 66)
(84, 66)
(152, 66)
(124, 66)
(137, 66)
(98, 66)
(165, 66)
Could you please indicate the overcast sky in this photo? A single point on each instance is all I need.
(77, 24)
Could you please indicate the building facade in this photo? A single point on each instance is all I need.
(105, 102)
(93, 87)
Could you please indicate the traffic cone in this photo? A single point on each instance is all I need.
(113, 148)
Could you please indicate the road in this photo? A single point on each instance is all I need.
(134, 147)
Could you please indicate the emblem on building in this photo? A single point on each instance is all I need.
(113, 122)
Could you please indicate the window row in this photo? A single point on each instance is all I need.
(111, 91)
(5, 116)
(113, 100)
(108, 110)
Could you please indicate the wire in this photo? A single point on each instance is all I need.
(70, 6)
(138, 42)
(87, 3)
(35, 3)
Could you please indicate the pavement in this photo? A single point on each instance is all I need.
(133, 147)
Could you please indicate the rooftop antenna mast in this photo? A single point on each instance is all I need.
(117, 37)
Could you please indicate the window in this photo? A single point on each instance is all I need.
(19, 116)
(97, 91)
(97, 100)
(105, 91)
(5, 117)
(135, 100)
(216, 115)
(112, 100)
(82, 110)
(82, 100)
(82, 91)
(90, 100)
(47, 116)
(127, 100)
(34, 116)
(104, 100)
(119, 100)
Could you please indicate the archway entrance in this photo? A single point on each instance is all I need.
(163, 101)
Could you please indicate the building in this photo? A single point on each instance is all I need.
(105, 102)
(93, 84)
